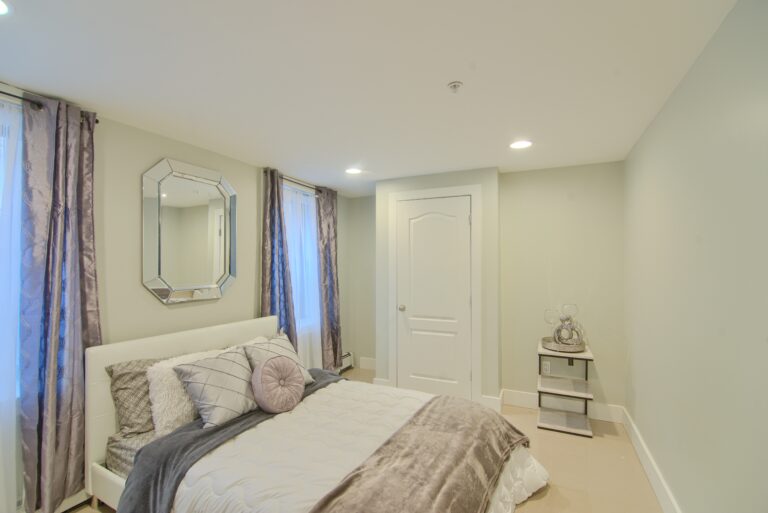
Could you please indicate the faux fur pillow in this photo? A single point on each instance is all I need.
(171, 406)
(261, 349)
(277, 384)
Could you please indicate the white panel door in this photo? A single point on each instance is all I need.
(434, 334)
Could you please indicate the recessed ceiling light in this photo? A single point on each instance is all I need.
(353, 171)
(521, 145)
(4, 9)
(164, 195)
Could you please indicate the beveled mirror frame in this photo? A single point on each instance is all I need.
(152, 275)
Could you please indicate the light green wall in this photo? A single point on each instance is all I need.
(562, 236)
(697, 254)
(357, 270)
(539, 214)
(488, 179)
(128, 310)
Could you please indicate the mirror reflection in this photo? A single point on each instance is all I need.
(189, 217)
(192, 226)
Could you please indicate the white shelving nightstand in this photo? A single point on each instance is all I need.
(574, 388)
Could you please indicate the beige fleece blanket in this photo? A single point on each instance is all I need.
(446, 459)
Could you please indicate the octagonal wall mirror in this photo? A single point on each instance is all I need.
(189, 232)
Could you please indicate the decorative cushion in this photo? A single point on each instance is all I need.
(260, 349)
(171, 406)
(278, 384)
(130, 393)
(220, 387)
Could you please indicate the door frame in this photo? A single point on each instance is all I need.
(476, 253)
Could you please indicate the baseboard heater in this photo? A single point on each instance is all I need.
(347, 361)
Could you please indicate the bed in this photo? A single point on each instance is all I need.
(258, 470)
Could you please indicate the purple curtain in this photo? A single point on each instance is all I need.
(276, 292)
(59, 304)
(329, 278)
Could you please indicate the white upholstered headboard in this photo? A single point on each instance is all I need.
(100, 419)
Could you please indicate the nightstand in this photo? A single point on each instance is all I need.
(562, 420)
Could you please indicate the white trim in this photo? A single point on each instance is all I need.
(658, 483)
(618, 414)
(382, 382)
(491, 402)
(367, 363)
(475, 193)
(518, 398)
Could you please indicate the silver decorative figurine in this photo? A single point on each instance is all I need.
(567, 336)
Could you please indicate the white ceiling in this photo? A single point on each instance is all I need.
(314, 87)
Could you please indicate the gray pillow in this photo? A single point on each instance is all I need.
(277, 384)
(262, 349)
(130, 393)
(220, 387)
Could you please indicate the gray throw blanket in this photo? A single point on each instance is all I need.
(160, 466)
(446, 459)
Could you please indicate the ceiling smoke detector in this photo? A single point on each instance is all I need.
(455, 86)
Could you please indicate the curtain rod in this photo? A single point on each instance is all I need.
(36, 104)
(299, 182)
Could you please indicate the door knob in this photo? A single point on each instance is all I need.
(401, 308)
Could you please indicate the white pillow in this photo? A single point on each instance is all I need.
(170, 403)
(260, 349)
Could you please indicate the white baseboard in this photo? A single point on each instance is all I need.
(383, 382)
(519, 398)
(490, 401)
(618, 414)
(367, 363)
(658, 483)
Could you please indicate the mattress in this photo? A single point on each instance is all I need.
(286, 464)
(122, 449)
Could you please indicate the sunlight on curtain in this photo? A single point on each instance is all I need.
(300, 212)
(10, 212)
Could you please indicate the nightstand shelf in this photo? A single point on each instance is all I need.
(565, 387)
(576, 423)
(564, 421)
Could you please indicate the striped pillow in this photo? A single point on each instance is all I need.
(220, 387)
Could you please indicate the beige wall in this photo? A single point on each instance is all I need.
(697, 248)
(357, 280)
(128, 310)
(488, 179)
(562, 237)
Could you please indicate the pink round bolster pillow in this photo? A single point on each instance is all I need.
(278, 384)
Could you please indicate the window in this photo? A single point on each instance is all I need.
(10, 253)
(300, 210)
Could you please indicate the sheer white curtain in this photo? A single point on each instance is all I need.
(300, 211)
(10, 223)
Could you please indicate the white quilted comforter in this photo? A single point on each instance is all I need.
(286, 464)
